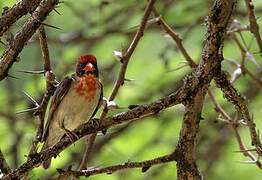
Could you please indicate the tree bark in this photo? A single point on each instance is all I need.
(197, 85)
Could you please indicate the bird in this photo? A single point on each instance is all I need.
(75, 101)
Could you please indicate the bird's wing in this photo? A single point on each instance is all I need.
(99, 102)
(59, 94)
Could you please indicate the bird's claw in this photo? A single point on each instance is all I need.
(71, 135)
(94, 122)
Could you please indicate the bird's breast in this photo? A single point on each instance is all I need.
(87, 87)
(79, 103)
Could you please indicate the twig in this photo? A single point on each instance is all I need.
(121, 76)
(254, 28)
(130, 50)
(4, 167)
(255, 79)
(243, 147)
(20, 39)
(241, 144)
(233, 96)
(176, 38)
(32, 72)
(145, 165)
(50, 85)
(44, 48)
(50, 88)
(243, 67)
(218, 107)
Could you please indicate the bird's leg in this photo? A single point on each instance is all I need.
(95, 122)
(71, 134)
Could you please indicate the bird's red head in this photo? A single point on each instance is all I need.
(87, 58)
(86, 64)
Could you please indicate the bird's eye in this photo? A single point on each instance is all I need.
(83, 65)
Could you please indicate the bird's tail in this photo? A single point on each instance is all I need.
(46, 164)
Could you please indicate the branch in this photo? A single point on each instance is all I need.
(4, 167)
(50, 88)
(254, 28)
(139, 112)
(130, 50)
(193, 114)
(176, 38)
(244, 54)
(11, 15)
(21, 38)
(201, 77)
(121, 76)
(145, 165)
(50, 80)
(233, 96)
(234, 126)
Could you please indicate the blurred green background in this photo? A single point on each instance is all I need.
(101, 27)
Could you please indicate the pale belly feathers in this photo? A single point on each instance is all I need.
(74, 110)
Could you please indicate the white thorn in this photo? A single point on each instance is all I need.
(118, 55)
(27, 110)
(247, 162)
(31, 99)
(129, 79)
(236, 74)
(111, 105)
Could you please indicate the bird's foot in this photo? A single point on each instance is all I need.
(95, 122)
(71, 135)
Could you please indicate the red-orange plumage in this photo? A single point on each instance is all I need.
(87, 58)
(87, 87)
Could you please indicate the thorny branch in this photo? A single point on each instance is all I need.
(176, 38)
(244, 54)
(139, 112)
(50, 88)
(192, 64)
(234, 124)
(233, 96)
(121, 76)
(20, 39)
(12, 14)
(145, 165)
(210, 63)
(50, 80)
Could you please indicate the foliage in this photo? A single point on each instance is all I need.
(101, 27)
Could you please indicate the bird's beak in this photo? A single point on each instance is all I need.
(89, 67)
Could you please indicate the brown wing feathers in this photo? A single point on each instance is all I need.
(60, 92)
